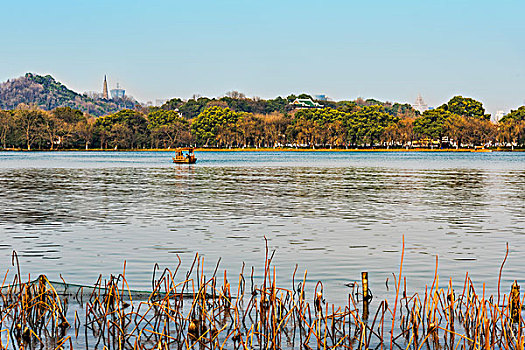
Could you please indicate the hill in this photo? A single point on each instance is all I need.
(47, 93)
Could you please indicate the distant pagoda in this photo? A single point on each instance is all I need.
(420, 105)
(105, 89)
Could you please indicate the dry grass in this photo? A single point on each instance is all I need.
(196, 311)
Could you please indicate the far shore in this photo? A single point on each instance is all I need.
(252, 149)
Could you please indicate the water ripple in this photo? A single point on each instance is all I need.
(80, 214)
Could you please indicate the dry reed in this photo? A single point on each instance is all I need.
(196, 311)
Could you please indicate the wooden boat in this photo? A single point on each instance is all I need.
(184, 155)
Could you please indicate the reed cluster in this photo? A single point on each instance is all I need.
(205, 312)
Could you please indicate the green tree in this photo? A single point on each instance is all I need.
(346, 106)
(516, 115)
(162, 117)
(367, 125)
(466, 107)
(431, 124)
(192, 108)
(321, 116)
(173, 104)
(238, 104)
(511, 128)
(291, 98)
(304, 96)
(402, 110)
(305, 132)
(119, 136)
(278, 104)
(317, 126)
(373, 102)
(206, 126)
(127, 129)
(168, 128)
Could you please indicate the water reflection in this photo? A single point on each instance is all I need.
(336, 216)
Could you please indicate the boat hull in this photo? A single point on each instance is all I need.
(184, 161)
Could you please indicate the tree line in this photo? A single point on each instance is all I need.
(237, 121)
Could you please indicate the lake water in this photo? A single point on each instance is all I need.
(335, 214)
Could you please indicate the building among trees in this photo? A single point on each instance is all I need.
(105, 89)
(305, 103)
(118, 93)
(420, 104)
(114, 93)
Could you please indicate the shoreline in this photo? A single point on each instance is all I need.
(209, 149)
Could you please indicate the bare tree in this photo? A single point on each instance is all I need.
(31, 121)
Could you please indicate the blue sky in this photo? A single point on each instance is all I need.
(389, 50)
